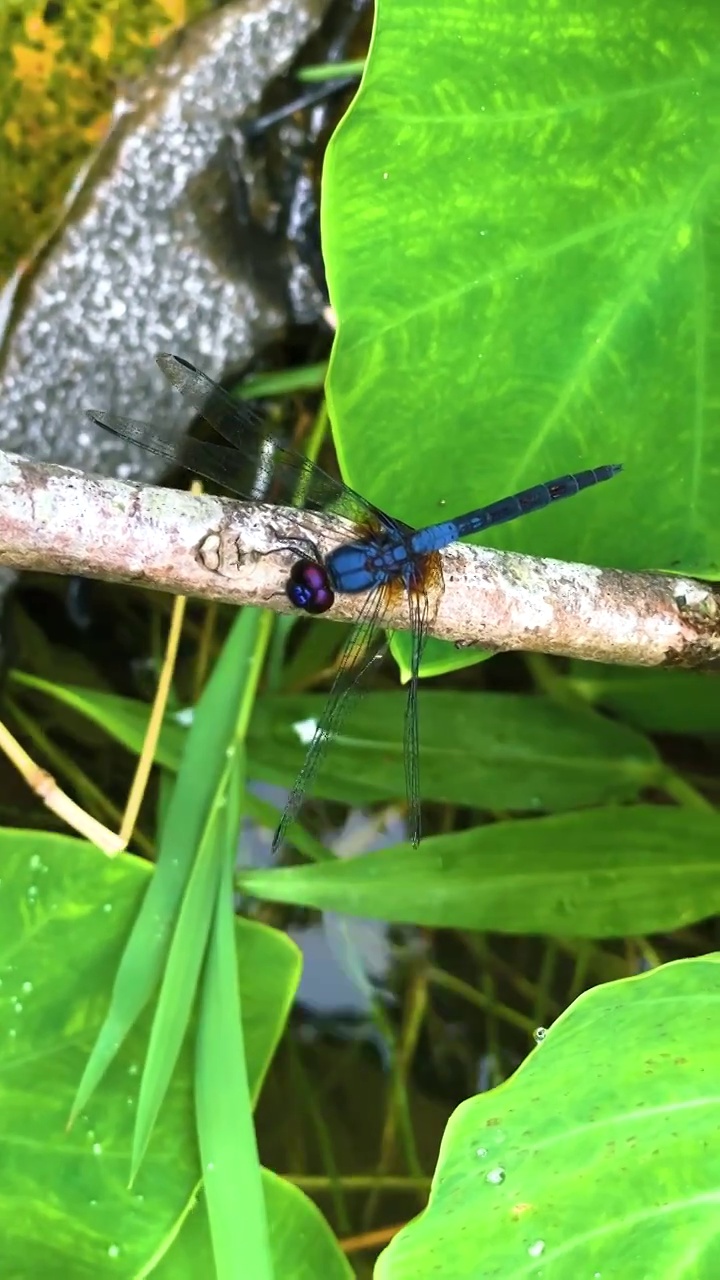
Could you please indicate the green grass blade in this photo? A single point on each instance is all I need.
(282, 382)
(203, 765)
(193, 928)
(124, 719)
(226, 1132)
(331, 71)
(179, 984)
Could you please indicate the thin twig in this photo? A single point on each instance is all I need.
(55, 799)
(146, 759)
(56, 520)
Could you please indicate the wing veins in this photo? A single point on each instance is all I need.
(214, 461)
(419, 609)
(343, 693)
(247, 432)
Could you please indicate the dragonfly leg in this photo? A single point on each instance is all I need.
(303, 548)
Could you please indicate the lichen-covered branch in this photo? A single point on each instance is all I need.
(56, 520)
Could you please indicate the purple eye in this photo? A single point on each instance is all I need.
(308, 587)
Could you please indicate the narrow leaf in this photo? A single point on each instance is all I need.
(226, 1133)
(177, 992)
(488, 750)
(202, 767)
(598, 874)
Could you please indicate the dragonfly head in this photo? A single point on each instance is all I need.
(308, 587)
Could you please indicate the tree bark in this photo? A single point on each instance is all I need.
(57, 520)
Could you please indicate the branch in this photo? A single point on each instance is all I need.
(57, 520)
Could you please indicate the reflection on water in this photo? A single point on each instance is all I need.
(346, 961)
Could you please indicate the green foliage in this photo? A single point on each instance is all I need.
(520, 222)
(65, 1207)
(587, 1161)
(594, 874)
(532, 753)
(58, 64)
(686, 702)
(485, 750)
(519, 219)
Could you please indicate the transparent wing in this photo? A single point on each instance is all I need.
(423, 602)
(214, 461)
(292, 474)
(419, 606)
(365, 646)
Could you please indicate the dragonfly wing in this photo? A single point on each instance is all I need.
(423, 602)
(365, 646)
(214, 461)
(292, 474)
(419, 606)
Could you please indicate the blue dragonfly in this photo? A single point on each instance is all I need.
(379, 555)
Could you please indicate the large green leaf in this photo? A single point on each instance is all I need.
(65, 913)
(487, 750)
(598, 873)
(656, 701)
(302, 1245)
(600, 1157)
(520, 221)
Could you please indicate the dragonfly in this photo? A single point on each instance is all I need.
(379, 555)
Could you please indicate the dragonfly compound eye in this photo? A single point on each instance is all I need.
(308, 587)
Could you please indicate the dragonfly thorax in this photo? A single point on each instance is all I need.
(360, 566)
